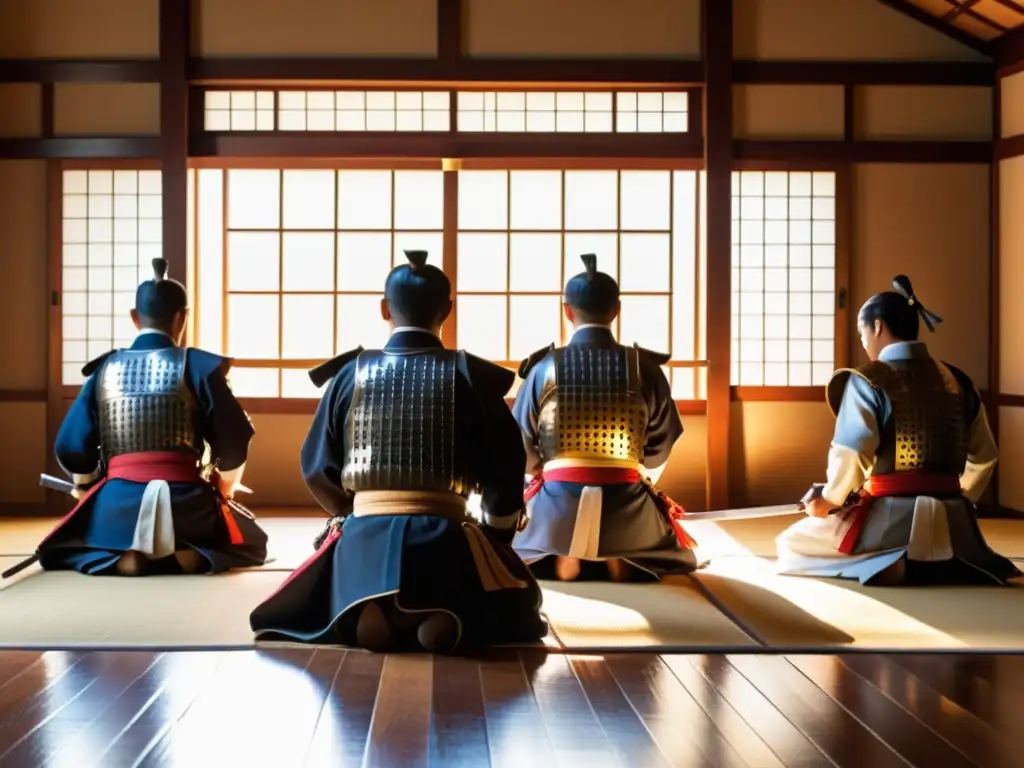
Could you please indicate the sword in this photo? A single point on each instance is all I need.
(752, 513)
(56, 484)
(747, 513)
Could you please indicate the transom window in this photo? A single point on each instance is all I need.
(475, 111)
(327, 110)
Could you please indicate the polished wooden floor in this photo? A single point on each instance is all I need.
(334, 708)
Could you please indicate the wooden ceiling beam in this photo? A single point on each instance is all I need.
(251, 72)
(1012, 5)
(957, 9)
(447, 70)
(80, 147)
(1008, 51)
(864, 72)
(923, 17)
(966, 8)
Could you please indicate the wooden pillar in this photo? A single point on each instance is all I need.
(992, 401)
(175, 34)
(449, 34)
(716, 44)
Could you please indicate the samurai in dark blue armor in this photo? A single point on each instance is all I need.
(599, 423)
(402, 437)
(134, 443)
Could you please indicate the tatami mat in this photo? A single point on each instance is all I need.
(589, 616)
(64, 609)
(39, 609)
(61, 609)
(290, 537)
(793, 612)
(757, 536)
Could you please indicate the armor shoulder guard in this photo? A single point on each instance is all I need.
(530, 362)
(876, 374)
(205, 363)
(965, 381)
(90, 368)
(969, 388)
(486, 374)
(327, 371)
(658, 358)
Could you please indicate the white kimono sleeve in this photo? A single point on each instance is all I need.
(982, 455)
(855, 441)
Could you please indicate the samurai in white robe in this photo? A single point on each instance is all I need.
(912, 454)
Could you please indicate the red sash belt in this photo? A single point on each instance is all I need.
(672, 511)
(583, 476)
(169, 466)
(895, 484)
(912, 484)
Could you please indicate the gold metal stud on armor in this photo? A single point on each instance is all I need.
(930, 432)
(592, 405)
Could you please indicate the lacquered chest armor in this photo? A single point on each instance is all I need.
(592, 406)
(144, 403)
(401, 425)
(929, 429)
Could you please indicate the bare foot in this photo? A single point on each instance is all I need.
(190, 561)
(620, 571)
(131, 563)
(373, 630)
(893, 576)
(439, 633)
(567, 568)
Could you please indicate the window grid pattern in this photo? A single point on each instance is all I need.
(537, 111)
(652, 112)
(520, 237)
(476, 111)
(783, 278)
(304, 257)
(112, 231)
(572, 112)
(239, 111)
(363, 110)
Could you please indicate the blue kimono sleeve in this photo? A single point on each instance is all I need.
(664, 425)
(499, 457)
(223, 423)
(861, 415)
(77, 446)
(323, 451)
(525, 411)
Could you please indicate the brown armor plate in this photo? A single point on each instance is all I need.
(928, 430)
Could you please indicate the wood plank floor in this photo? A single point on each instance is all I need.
(336, 708)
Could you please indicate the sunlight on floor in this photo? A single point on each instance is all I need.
(587, 616)
(865, 618)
